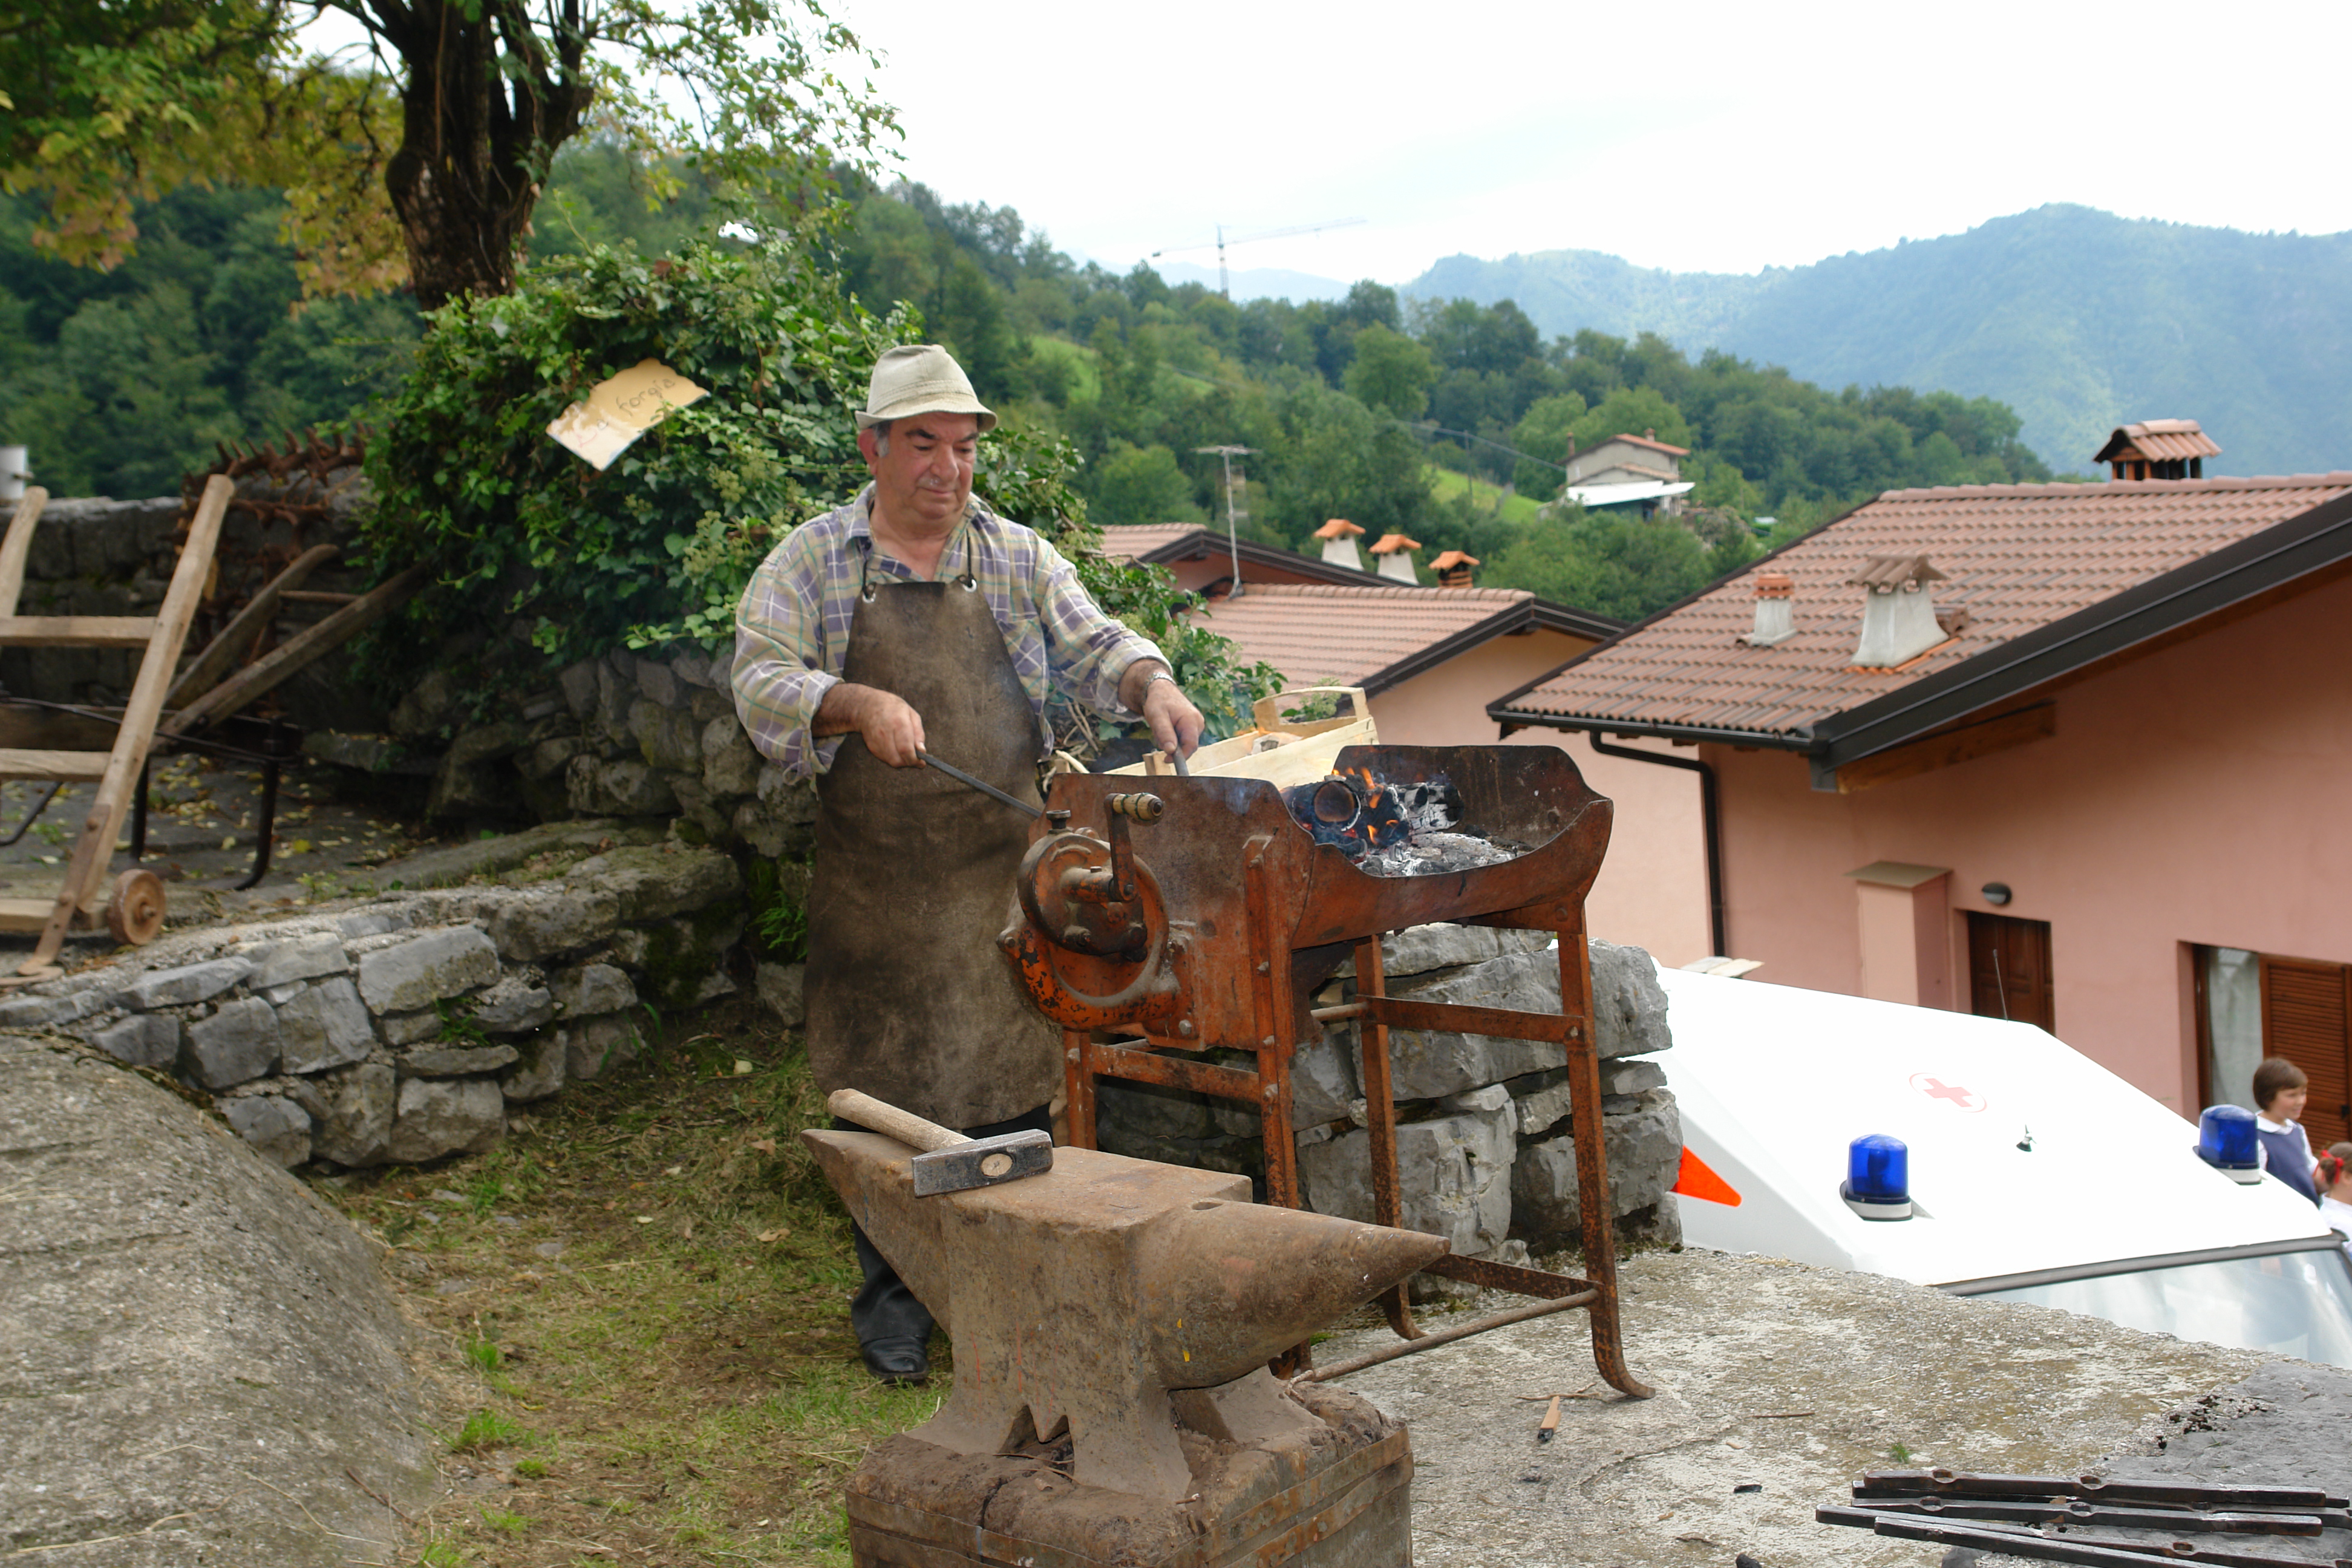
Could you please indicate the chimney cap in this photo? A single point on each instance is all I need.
(2158, 441)
(1454, 558)
(1774, 585)
(1885, 573)
(1391, 542)
(1338, 528)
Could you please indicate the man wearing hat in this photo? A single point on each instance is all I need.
(916, 620)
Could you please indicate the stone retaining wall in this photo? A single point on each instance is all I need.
(403, 1030)
(1484, 1151)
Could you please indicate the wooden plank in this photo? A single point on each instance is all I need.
(244, 630)
(1979, 740)
(283, 663)
(112, 801)
(75, 767)
(18, 546)
(39, 730)
(76, 631)
(19, 915)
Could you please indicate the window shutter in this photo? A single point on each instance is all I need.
(2306, 1019)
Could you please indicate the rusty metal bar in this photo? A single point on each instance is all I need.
(1176, 1072)
(1078, 1077)
(1380, 1105)
(2035, 1510)
(1941, 1481)
(1344, 1011)
(1487, 1274)
(2018, 1541)
(1430, 1341)
(1598, 1224)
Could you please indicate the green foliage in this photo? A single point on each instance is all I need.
(1391, 373)
(778, 895)
(1615, 564)
(1144, 484)
(524, 536)
(484, 1429)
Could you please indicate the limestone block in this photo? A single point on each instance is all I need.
(439, 1116)
(235, 1045)
(352, 1109)
(325, 1025)
(539, 1070)
(557, 920)
(456, 1061)
(591, 989)
(622, 786)
(790, 799)
(425, 968)
(614, 693)
(632, 946)
(300, 958)
(426, 707)
(370, 923)
(1429, 1064)
(1324, 1078)
(1454, 1176)
(659, 683)
(547, 759)
(654, 882)
(148, 1041)
(578, 684)
(1422, 949)
(593, 1044)
(722, 670)
(279, 1130)
(189, 983)
(729, 766)
(665, 738)
(705, 705)
(762, 833)
(1644, 1151)
(407, 1029)
(512, 1007)
(781, 987)
(692, 668)
(39, 1012)
(1629, 1005)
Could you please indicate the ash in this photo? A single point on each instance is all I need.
(1428, 853)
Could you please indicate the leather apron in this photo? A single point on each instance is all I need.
(909, 999)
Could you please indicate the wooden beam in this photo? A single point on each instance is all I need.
(297, 653)
(1942, 751)
(19, 545)
(77, 631)
(75, 767)
(238, 636)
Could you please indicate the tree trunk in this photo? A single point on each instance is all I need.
(486, 104)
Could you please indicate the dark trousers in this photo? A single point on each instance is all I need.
(884, 1309)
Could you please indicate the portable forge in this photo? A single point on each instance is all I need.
(1203, 916)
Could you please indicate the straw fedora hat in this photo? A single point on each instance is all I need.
(919, 378)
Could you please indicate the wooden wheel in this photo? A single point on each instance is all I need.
(135, 914)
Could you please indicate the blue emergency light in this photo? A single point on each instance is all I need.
(1878, 1177)
(2227, 1141)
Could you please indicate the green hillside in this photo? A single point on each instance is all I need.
(2077, 319)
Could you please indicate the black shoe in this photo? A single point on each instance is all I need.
(897, 1360)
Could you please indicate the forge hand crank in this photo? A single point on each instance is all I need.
(950, 1162)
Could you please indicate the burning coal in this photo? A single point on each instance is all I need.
(1393, 830)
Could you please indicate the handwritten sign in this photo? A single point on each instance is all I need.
(617, 412)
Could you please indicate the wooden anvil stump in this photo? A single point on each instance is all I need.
(1333, 1494)
(1124, 1310)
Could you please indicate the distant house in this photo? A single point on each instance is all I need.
(1628, 470)
(1203, 561)
(2075, 754)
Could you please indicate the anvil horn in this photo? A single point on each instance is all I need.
(1087, 1292)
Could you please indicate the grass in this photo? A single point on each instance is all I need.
(1447, 485)
(639, 1306)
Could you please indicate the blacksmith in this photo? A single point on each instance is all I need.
(915, 620)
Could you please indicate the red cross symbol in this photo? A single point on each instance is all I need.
(1936, 1089)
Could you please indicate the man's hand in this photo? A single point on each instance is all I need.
(1175, 723)
(893, 730)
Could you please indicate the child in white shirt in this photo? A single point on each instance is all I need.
(2280, 1090)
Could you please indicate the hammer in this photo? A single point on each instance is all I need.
(951, 1162)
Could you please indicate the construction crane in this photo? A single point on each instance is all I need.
(1222, 240)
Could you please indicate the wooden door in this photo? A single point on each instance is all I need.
(2307, 1019)
(2008, 970)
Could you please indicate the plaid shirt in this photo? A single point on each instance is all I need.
(792, 629)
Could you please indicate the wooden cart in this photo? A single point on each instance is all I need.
(134, 910)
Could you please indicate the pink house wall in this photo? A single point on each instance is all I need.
(2200, 795)
(1652, 890)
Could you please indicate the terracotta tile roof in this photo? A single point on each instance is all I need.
(1651, 442)
(1133, 541)
(2158, 441)
(1354, 637)
(2017, 558)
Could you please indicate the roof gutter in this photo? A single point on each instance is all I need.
(1512, 719)
(1719, 921)
(1527, 613)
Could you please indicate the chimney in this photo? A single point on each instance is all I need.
(1338, 537)
(1455, 569)
(2158, 449)
(1650, 434)
(1775, 620)
(1395, 552)
(1898, 617)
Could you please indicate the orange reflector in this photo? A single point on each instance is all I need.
(1696, 1180)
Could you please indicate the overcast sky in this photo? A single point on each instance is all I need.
(1697, 136)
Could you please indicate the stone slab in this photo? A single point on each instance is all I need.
(192, 1349)
(426, 968)
(235, 1045)
(186, 983)
(437, 1116)
(324, 1026)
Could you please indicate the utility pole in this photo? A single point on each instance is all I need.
(1234, 514)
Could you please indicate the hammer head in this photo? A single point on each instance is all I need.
(982, 1162)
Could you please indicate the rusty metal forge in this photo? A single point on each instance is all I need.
(1203, 916)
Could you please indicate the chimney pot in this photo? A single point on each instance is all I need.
(1395, 551)
(1651, 434)
(1775, 613)
(1898, 617)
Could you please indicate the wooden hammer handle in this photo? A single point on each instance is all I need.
(884, 1117)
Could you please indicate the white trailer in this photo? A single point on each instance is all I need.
(2035, 1173)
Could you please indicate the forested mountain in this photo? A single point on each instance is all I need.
(1352, 407)
(2077, 319)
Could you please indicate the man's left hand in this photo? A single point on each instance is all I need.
(1176, 724)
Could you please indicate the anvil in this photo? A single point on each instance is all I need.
(1091, 1293)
